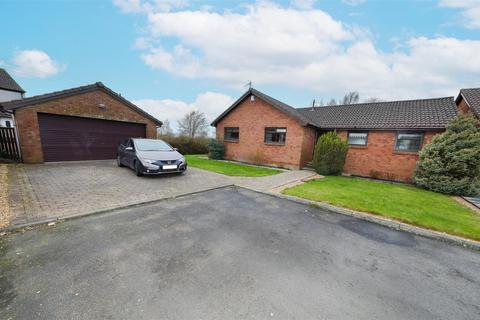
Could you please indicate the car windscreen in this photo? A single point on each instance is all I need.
(152, 145)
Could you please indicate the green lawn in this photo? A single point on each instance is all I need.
(401, 202)
(228, 168)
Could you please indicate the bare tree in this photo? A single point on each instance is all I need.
(373, 99)
(351, 98)
(193, 124)
(332, 102)
(165, 129)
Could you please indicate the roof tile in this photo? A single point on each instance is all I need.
(408, 114)
(8, 83)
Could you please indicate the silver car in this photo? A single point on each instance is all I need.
(150, 156)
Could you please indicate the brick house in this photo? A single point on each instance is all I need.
(9, 90)
(468, 100)
(384, 137)
(83, 123)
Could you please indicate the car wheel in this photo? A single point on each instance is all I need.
(119, 162)
(138, 169)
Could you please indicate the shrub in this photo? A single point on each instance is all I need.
(451, 162)
(330, 154)
(216, 149)
(187, 145)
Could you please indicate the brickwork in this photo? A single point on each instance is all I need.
(252, 117)
(379, 158)
(81, 105)
(463, 107)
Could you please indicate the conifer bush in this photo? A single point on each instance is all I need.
(450, 164)
(330, 154)
(216, 149)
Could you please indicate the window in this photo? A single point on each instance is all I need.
(358, 138)
(408, 141)
(8, 124)
(231, 134)
(275, 135)
(152, 145)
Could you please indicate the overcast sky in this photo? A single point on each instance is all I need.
(171, 56)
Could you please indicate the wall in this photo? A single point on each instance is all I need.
(379, 159)
(7, 95)
(82, 105)
(252, 117)
(464, 108)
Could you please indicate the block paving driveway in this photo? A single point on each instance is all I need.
(232, 253)
(59, 190)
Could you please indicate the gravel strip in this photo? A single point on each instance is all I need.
(4, 206)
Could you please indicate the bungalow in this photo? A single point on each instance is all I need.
(384, 137)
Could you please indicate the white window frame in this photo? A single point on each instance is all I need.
(358, 144)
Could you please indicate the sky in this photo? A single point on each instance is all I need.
(172, 56)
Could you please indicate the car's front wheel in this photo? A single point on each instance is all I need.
(138, 169)
(119, 162)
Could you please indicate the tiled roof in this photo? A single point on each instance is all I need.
(472, 96)
(283, 107)
(407, 114)
(7, 82)
(26, 102)
(5, 114)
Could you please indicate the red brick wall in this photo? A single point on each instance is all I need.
(379, 159)
(463, 107)
(252, 117)
(82, 105)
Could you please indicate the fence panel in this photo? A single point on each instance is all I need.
(8, 144)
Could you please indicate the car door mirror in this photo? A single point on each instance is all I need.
(128, 149)
(175, 149)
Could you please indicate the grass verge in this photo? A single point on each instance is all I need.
(396, 201)
(228, 168)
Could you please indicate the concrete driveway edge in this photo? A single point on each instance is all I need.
(392, 224)
(17, 227)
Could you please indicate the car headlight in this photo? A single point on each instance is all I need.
(147, 161)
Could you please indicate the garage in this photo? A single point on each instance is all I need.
(67, 138)
(82, 123)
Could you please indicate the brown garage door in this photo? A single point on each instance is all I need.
(66, 138)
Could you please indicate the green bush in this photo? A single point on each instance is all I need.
(187, 145)
(216, 149)
(451, 162)
(330, 154)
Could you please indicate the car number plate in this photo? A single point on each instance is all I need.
(170, 166)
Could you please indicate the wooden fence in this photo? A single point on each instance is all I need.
(8, 144)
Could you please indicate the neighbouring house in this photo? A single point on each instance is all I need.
(468, 100)
(6, 120)
(9, 90)
(384, 137)
(83, 123)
